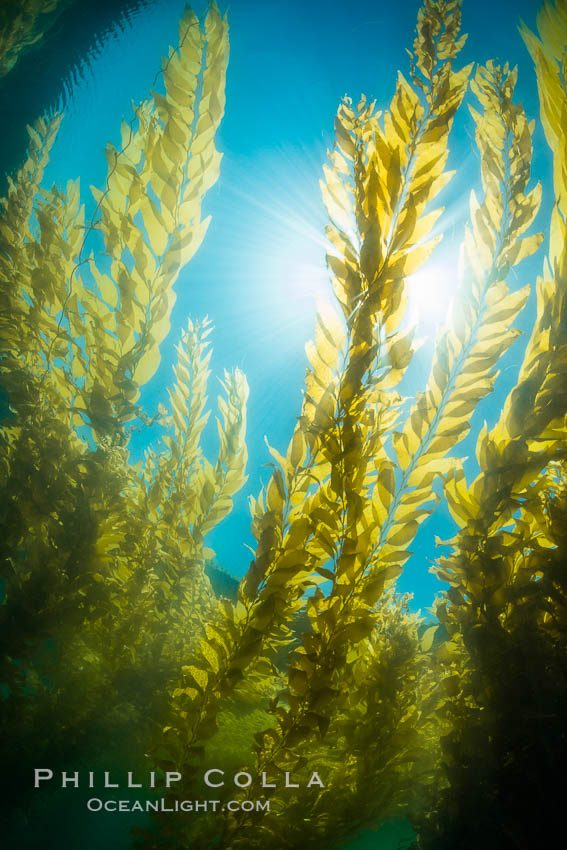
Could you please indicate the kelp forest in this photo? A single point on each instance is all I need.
(315, 685)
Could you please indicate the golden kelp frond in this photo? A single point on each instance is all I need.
(549, 55)
(535, 407)
(438, 28)
(366, 538)
(382, 177)
(17, 265)
(311, 524)
(170, 157)
(287, 555)
(178, 498)
(184, 492)
(507, 596)
(188, 398)
(97, 332)
(506, 612)
(385, 731)
(103, 562)
(22, 24)
(229, 473)
(292, 549)
(531, 429)
(17, 206)
(479, 333)
(240, 637)
(365, 506)
(534, 552)
(171, 477)
(42, 232)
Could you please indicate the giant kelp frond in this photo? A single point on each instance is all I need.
(103, 562)
(170, 157)
(506, 606)
(310, 524)
(229, 473)
(395, 170)
(549, 53)
(184, 495)
(379, 737)
(188, 397)
(288, 554)
(498, 514)
(167, 474)
(71, 341)
(381, 178)
(531, 429)
(22, 24)
(368, 510)
(98, 331)
(211, 487)
(17, 206)
(479, 333)
(37, 253)
(366, 754)
(535, 407)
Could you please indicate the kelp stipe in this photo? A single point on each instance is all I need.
(103, 561)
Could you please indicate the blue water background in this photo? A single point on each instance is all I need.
(262, 264)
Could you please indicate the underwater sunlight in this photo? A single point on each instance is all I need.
(430, 293)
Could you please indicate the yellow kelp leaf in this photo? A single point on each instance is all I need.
(155, 227)
(460, 504)
(199, 676)
(330, 324)
(211, 656)
(147, 366)
(524, 248)
(107, 289)
(428, 637)
(402, 533)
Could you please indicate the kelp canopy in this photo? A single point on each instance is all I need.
(318, 666)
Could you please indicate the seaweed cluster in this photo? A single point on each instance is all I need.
(23, 24)
(103, 562)
(317, 665)
(505, 609)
